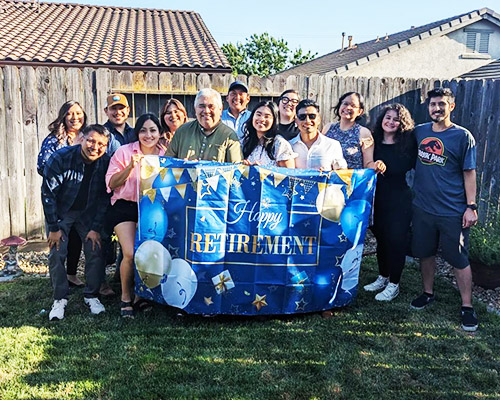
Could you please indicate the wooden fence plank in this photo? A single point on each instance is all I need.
(15, 162)
(4, 179)
(33, 181)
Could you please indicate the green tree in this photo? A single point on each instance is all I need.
(263, 55)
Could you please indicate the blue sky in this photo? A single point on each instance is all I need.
(311, 25)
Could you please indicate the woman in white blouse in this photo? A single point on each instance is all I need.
(261, 144)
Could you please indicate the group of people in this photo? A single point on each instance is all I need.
(86, 167)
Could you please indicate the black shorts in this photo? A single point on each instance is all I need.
(430, 230)
(122, 211)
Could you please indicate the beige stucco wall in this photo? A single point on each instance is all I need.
(439, 57)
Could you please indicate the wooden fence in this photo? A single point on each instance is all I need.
(31, 97)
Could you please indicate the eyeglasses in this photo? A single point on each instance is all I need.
(286, 100)
(347, 104)
(302, 117)
(93, 142)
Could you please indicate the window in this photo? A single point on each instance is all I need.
(477, 41)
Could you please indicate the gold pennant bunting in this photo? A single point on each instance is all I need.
(147, 171)
(163, 172)
(151, 194)
(321, 186)
(264, 173)
(278, 178)
(181, 189)
(193, 173)
(345, 175)
(244, 169)
(177, 172)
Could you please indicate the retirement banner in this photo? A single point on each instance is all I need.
(232, 239)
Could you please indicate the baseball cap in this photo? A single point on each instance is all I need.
(117, 98)
(238, 85)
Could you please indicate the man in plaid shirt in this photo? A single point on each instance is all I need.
(74, 194)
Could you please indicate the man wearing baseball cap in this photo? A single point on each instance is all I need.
(237, 114)
(118, 110)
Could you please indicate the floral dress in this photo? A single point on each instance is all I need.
(350, 143)
(282, 152)
(49, 145)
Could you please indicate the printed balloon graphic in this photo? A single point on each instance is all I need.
(350, 267)
(354, 219)
(181, 284)
(152, 261)
(330, 202)
(153, 221)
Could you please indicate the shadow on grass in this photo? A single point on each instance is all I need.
(368, 350)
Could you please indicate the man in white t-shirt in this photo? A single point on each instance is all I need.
(315, 151)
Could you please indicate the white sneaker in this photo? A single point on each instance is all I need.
(57, 311)
(389, 293)
(379, 283)
(95, 305)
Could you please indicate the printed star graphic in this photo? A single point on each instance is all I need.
(253, 183)
(272, 288)
(302, 197)
(174, 251)
(301, 305)
(260, 301)
(265, 203)
(235, 182)
(342, 237)
(338, 260)
(171, 233)
(307, 223)
(202, 275)
(205, 189)
(235, 309)
(208, 300)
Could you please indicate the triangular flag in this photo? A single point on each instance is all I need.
(278, 178)
(147, 171)
(193, 173)
(228, 176)
(345, 175)
(181, 189)
(177, 172)
(264, 173)
(213, 182)
(151, 193)
(165, 192)
(163, 172)
(244, 169)
(321, 186)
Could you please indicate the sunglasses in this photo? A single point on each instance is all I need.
(302, 117)
(286, 100)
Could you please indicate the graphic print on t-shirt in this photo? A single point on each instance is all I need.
(430, 152)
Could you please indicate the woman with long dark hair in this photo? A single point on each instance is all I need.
(64, 131)
(261, 143)
(122, 179)
(397, 150)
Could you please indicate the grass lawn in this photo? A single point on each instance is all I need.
(366, 351)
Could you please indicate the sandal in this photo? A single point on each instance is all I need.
(143, 305)
(123, 309)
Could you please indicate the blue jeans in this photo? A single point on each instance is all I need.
(94, 260)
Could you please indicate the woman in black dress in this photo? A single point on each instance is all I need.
(396, 148)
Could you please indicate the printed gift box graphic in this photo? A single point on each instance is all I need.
(232, 239)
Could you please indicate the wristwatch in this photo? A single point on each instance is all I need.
(472, 206)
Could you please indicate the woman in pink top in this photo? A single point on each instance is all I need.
(123, 179)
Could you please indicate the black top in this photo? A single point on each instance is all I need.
(392, 187)
(288, 131)
(83, 194)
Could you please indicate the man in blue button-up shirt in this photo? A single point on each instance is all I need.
(237, 114)
(74, 195)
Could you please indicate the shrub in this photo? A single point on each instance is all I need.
(484, 241)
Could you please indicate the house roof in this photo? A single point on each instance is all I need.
(107, 36)
(488, 71)
(348, 58)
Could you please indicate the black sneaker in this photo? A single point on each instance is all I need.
(469, 319)
(422, 301)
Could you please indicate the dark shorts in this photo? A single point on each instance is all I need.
(122, 211)
(431, 230)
